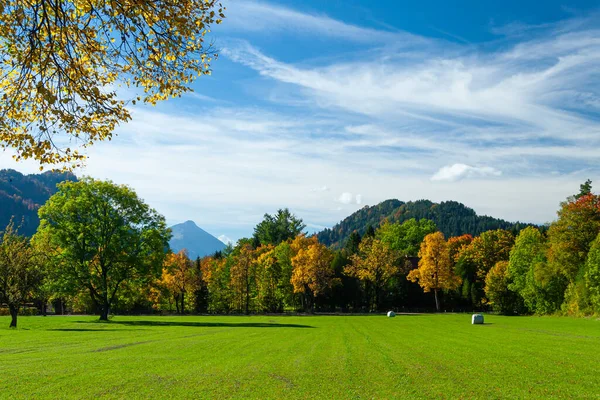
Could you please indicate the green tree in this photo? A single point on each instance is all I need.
(63, 61)
(592, 275)
(498, 293)
(530, 276)
(278, 228)
(105, 236)
(584, 189)
(405, 238)
(19, 271)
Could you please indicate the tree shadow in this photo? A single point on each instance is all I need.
(86, 330)
(202, 324)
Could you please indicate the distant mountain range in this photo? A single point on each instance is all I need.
(22, 195)
(452, 218)
(195, 240)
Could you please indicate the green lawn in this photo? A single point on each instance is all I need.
(410, 356)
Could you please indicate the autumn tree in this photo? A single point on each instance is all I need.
(269, 274)
(19, 271)
(64, 61)
(105, 236)
(375, 264)
(177, 277)
(474, 261)
(312, 273)
(572, 234)
(435, 267)
(274, 229)
(242, 272)
(216, 275)
(570, 238)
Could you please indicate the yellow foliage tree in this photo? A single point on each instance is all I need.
(64, 60)
(375, 263)
(435, 270)
(243, 277)
(177, 277)
(312, 273)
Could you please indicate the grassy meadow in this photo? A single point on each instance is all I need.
(410, 356)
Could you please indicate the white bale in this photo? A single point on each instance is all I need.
(477, 319)
(391, 314)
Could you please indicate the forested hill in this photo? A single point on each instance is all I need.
(451, 217)
(22, 195)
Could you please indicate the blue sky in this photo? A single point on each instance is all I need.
(327, 106)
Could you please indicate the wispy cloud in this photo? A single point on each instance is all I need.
(389, 121)
(253, 16)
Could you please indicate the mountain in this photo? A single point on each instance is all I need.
(195, 240)
(22, 195)
(452, 218)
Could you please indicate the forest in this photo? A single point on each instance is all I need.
(100, 249)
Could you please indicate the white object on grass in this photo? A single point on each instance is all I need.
(477, 319)
(391, 314)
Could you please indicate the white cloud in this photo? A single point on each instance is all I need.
(253, 16)
(225, 239)
(452, 173)
(345, 198)
(373, 126)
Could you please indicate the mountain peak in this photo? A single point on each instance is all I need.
(194, 239)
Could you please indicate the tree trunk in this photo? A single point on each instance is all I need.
(182, 303)
(104, 310)
(437, 302)
(14, 311)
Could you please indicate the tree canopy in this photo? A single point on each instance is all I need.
(64, 60)
(278, 228)
(104, 237)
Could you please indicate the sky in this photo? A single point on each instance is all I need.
(325, 107)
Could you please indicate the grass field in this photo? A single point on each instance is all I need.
(410, 356)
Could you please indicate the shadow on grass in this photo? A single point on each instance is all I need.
(202, 324)
(86, 330)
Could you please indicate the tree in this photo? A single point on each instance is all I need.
(177, 276)
(105, 236)
(584, 189)
(540, 287)
(571, 235)
(19, 272)
(278, 228)
(375, 263)
(592, 275)
(497, 283)
(474, 261)
(435, 267)
(243, 276)
(405, 238)
(63, 61)
(312, 274)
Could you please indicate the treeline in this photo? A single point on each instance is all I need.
(451, 218)
(100, 249)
